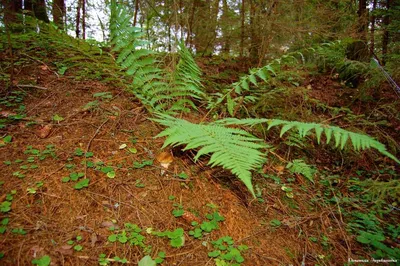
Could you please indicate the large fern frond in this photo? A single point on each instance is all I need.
(155, 87)
(231, 148)
(340, 136)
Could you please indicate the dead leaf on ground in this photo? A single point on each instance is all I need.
(189, 217)
(93, 239)
(35, 250)
(7, 114)
(279, 168)
(109, 224)
(44, 132)
(65, 250)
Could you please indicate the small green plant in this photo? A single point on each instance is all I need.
(176, 237)
(183, 175)
(103, 95)
(300, 167)
(79, 152)
(82, 184)
(43, 261)
(179, 211)
(109, 171)
(147, 261)
(275, 223)
(139, 184)
(5, 140)
(225, 251)
(131, 234)
(57, 118)
(371, 233)
(91, 106)
(78, 248)
(5, 206)
(3, 225)
(206, 226)
(18, 231)
(142, 164)
(160, 257)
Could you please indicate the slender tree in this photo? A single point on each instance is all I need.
(385, 36)
(83, 19)
(242, 30)
(373, 20)
(78, 19)
(136, 12)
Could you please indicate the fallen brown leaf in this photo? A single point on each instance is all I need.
(44, 132)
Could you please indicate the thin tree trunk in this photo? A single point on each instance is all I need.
(372, 38)
(225, 28)
(242, 15)
(253, 35)
(385, 37)
(190, 26)
(84, 19)
(136, 12)
(78, 19)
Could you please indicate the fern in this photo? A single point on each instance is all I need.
(300, 167)
(155, 87)
(233, 149)
(340, 136)
(239, 151)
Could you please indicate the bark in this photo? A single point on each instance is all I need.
(37, 8)
(385, 36)
(11, 8)
(254, 42)
(59, 13)
(242, 16)
(136, 12)
(362, 19)
(225, 28)
(189, 37)
(372, 38)
(83, 19)
(78, 19)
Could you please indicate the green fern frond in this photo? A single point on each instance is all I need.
(231, 148)
(300, 167)
(156, 88)
(340, 136)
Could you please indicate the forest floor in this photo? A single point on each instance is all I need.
(81, 174)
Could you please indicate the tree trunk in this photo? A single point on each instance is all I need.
(11, 8)
(254, 42)
(136, 12)
(78, 19)
(83, 19)
(362, 19)
(372, 38)
(59, 13)
(225, 28)
(242, 16)
(385, 36)
(37, 8)
(189, 41)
